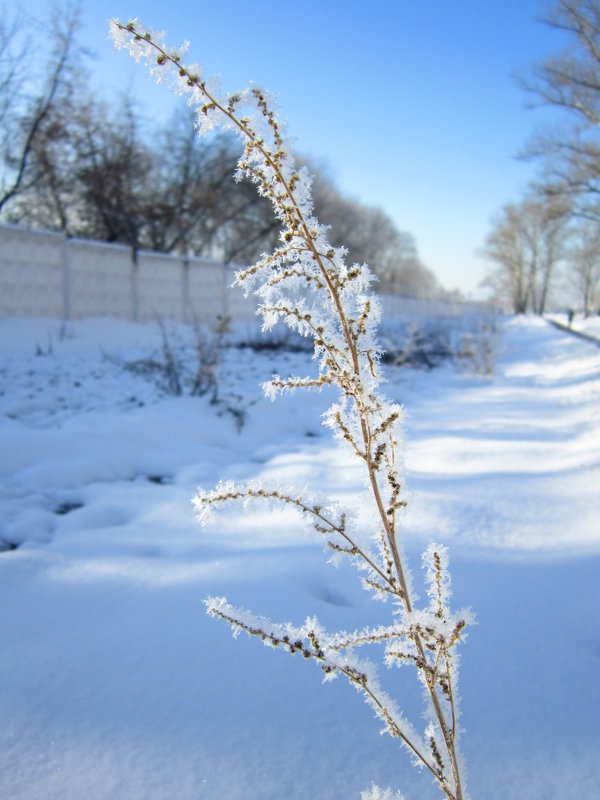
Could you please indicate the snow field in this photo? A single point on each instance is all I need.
(114, 682)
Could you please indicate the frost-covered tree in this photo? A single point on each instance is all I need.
(584, 266)
(569, 82)
(30, 95)
(307, 283)
(525, 245)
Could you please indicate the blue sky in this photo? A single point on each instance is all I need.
(412, 104)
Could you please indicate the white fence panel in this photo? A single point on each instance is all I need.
(158, 281)
(98, 280)
(43, 274)
(207, 290)
(415, 307)
(31, 273)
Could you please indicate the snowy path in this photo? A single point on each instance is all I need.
(115, 684)
(574, 332)
(513, 463)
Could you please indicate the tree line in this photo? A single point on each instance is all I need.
(557, 221)
(94, 168)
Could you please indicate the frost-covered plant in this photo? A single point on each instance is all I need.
(307, 283)
(477, 351)
(375, 793)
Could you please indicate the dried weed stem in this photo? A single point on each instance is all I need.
(307, 283)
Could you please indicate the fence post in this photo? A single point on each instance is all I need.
(185, 289)
(65, 277)
(135, 300)
(224, 292)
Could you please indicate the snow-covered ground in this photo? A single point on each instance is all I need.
(588, 325)
(115, 684)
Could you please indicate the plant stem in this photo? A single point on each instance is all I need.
(344, 360)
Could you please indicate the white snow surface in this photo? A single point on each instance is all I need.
(114, 683)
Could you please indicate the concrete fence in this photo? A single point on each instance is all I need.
(44, 274)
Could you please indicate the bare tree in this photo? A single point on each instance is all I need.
(245, 225)
(372, 237)
(186, 183)
(71, 162)
(95, 177)
(28, 102)
(569, 81)
(584, 266)
(190, 208)
(525, 244)
(51, 197)
(504, 247)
